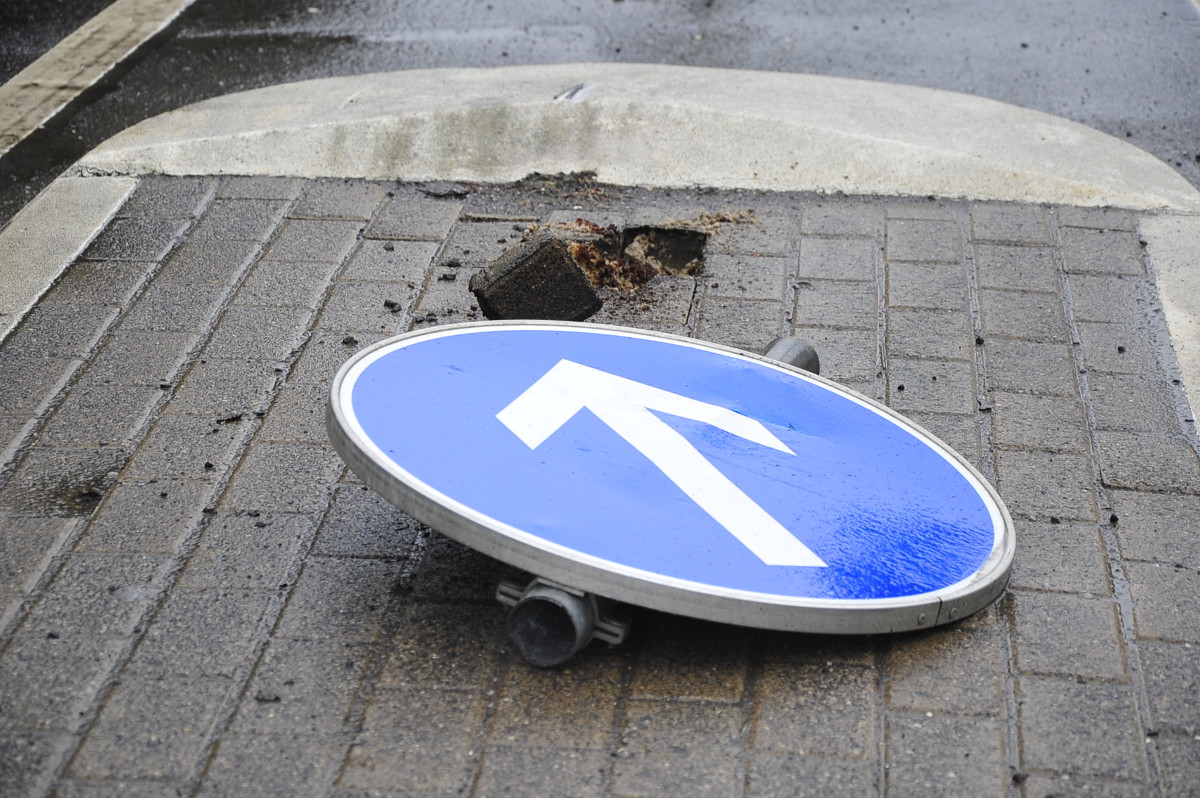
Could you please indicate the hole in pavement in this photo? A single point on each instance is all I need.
(627, 259)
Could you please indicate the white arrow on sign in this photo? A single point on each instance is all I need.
(625, 405)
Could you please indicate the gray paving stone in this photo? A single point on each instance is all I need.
(1172, 674)
(1159, 527)
(1132, 403)
(415, 741)
(207, 262)
(284, 478)
(691, 746)
(1106, 298)
(567, 707)
(836, 303)
(27, 546)
(263, 333)
(450, 571)
(136, 239)
(1030, 367)
(796, 776)
(414, 220)
(60, 483)
(1096, 218)
(932, 386)
(1054, 785)
(360, 523)
(839, 219)
(58, 331)
(954, 669)
(447, 291)
(1050, 423)
(747, 277)
(247, 187)
(247, 551)
(842, 696)
(684, 659)
(314, 240)
(114, 788)
(566, 772)
(1065, 635)
(239, 220)
(251, 766)
(339, 199)
(47, 682)
(1100, 251)
(89, 282)
(1179, 762)
(275, 284)
(930, 335)
(846, 355)
(27, 760)
(1166, 601)
(324, 354)
(663, 304)
(928, 208)
(297, 415)
(341, 600)
(767, 234)
(1007, 267)
(30, 383)
(158, 196)
(454, 646)
(378, 308)
(145, 518)
(186, 447)
(1010, 224)
(1047, 484)
(139, 357)
(923, 240)
(1147, 461)
(13, 432)
(391, 261)
(301, 687)
(836, 259)
(99, 416)
(152, 728)
(200, 633)
(921, 285)
(97, 594)
(945, 755)
(1016, 314)
(744, 323)
(1087, 728)
(960, 433)
(228, 391)
(1118, 349)
(175, 308)
(1067, 557)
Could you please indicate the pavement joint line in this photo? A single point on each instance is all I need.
(39, 91)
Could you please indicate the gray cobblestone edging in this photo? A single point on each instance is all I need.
(197, 597)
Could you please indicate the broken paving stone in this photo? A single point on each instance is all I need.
(538, 279)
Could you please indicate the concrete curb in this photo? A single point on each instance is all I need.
(639, 124)
(631, 124)
(48, 234)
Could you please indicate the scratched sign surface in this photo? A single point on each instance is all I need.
(671, 460)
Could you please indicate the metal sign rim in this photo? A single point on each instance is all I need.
(644, 588)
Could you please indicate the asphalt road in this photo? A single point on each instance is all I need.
(1128, 69)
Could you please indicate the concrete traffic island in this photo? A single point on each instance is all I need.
(198, 597)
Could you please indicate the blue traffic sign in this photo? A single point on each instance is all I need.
(673, 474)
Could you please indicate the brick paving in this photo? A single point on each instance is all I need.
(199, 599)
